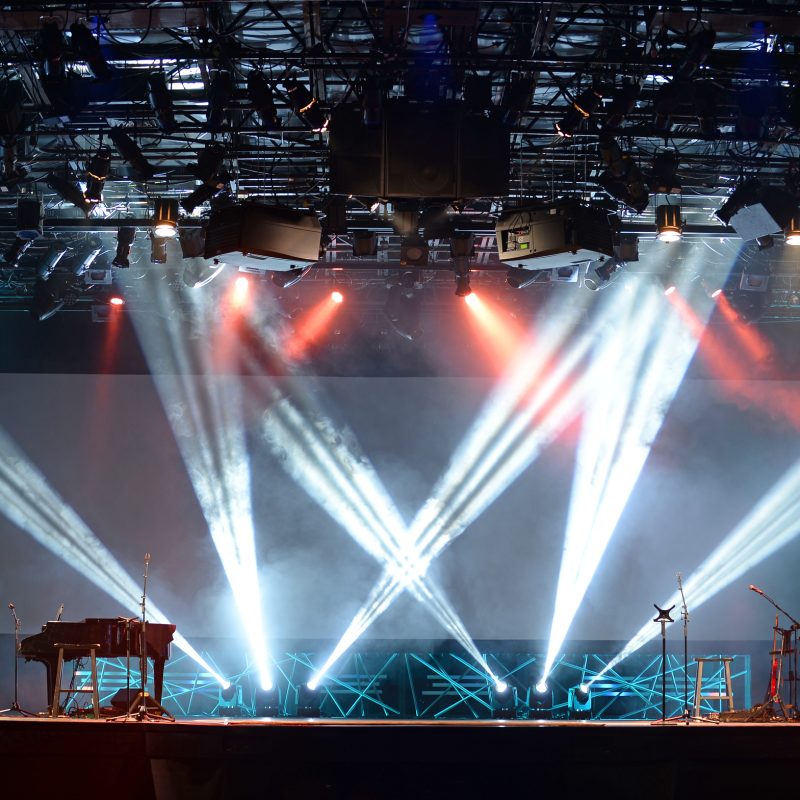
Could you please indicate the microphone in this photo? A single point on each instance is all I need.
(60, 612)
(11, 606)
(755, 589)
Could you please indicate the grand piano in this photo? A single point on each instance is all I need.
(110, 634)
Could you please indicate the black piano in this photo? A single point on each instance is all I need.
(110, 634)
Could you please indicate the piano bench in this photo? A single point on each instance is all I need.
(58, 691)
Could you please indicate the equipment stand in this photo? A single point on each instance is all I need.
(14, 708)
(143, 705)
(663, 617)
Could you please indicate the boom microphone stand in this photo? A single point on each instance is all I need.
(14, 708)
(663, 617)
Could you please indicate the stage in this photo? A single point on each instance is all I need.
(319, 758)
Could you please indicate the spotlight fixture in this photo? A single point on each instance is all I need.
(365, 244)
(541, 687)
(197, 273)
(516, 99)
(259, 92)
(158, 249)
(698, 49)
(668, 222)
(413, 252)
(161, 102)
(116, 300)
(53, 48)
(88, 253)
(30, 218)
(462, 245)
(220, 91)
(744, 194)
(125, 237)
(623, 101)
(463, 289)
(305, 105)
(97, 169)
(337, 297)
(131, 153)
(663, 178)
(705, 94)
(68, 191)
(45, 301)
(16, 251)
(87, 48)
(755, 211)
(579, 702)
(48, 264)
(207, 170)
(519, 278)
(622, 179)
(666, 100)
(290, 277)
(791, 232)
(765, 242)
(165, 216)
(668, 282)
(598, 273)
(583, 106)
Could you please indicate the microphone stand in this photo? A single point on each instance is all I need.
(14, 708)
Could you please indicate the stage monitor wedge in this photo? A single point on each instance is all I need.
(263, 238)
(559, 235)
(421, 150)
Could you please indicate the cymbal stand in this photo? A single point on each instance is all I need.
(14, 708)
(787, 649)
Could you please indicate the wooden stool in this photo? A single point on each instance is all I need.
(698, 695)
(58, 691)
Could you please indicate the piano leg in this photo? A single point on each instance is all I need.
(50, 671)
(158, 678)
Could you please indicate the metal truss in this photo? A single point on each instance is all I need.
(434, 685)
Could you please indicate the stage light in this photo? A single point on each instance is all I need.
(365, 244)
(599, 273)
(716, 293)
(53, 48)
(517, 96)
(48, 264)
(161, 102)
(259, 92)
(705, 102)
(241, 288)
(584, 688)
(207, 170)
(305, 105)
(668, 223)
(542, 687)
(125, 236)
(97, 169)
(68, 191)
(30, 218)
(663, 176)
(45, 302)
(579, 702)
(87, 48)
(337, 297)
(770, 525)
(289, 277)
(220, 92)
(16, 250)
(666, 100)
(165, 217)
(519, 278)
(35, 507)
(158, 249)
(623, 102)
(744, 194)
(698, 49)
(413, 252)
(581, 109)
(791, 232)
(622, 179)
(131, 153)
(501, 686)
(116, 300)
(89, 251)
(462, 245)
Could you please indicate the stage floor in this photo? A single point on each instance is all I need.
(325, 758)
